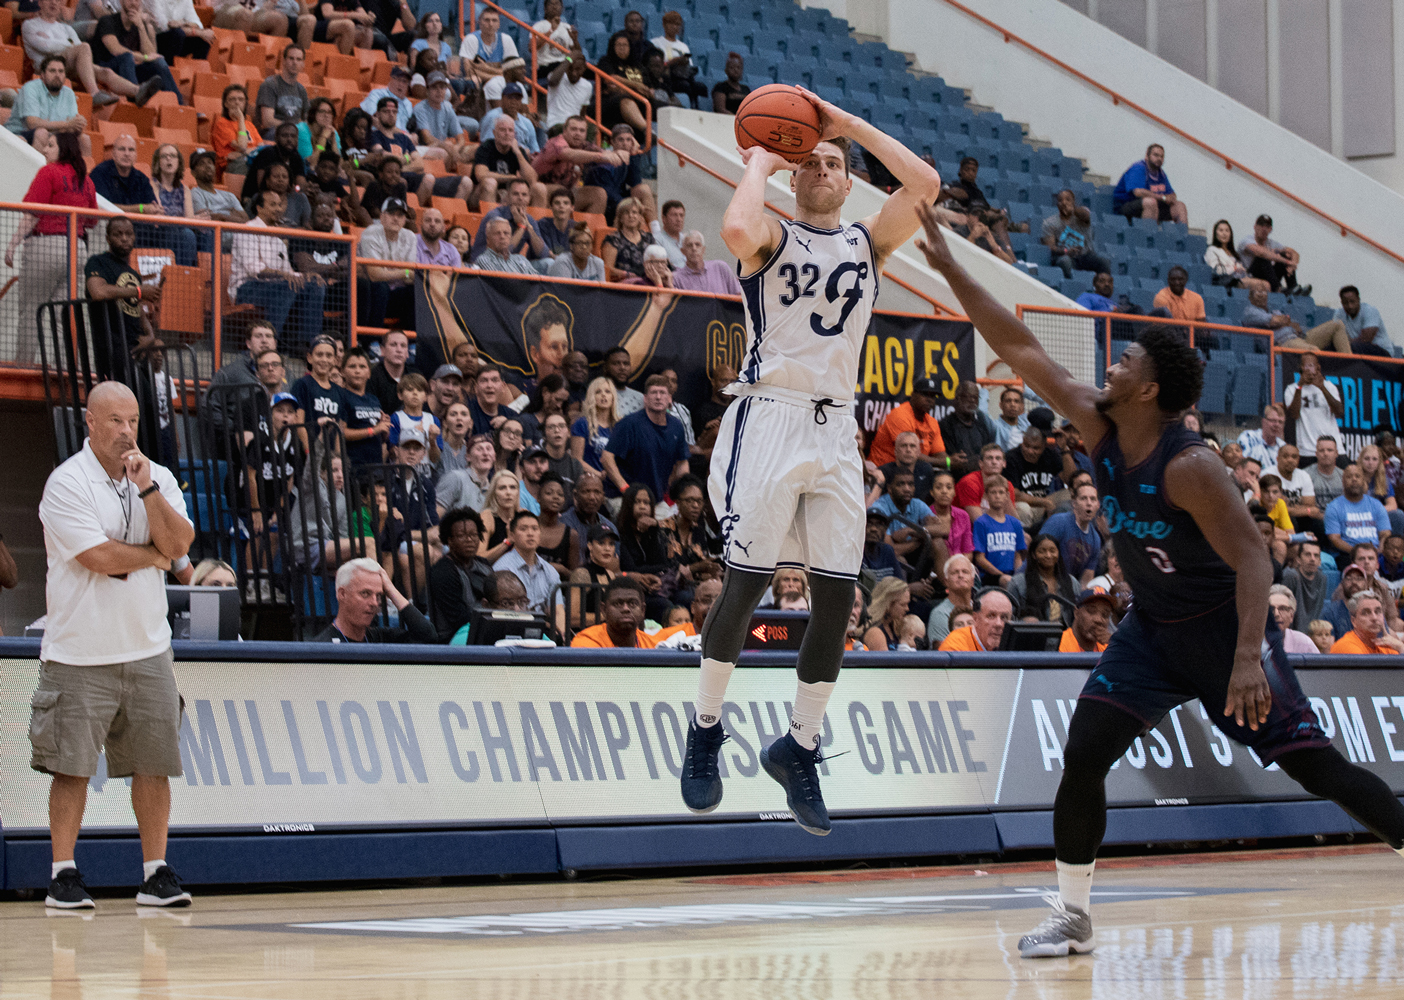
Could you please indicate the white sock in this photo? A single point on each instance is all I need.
(807, 717)
(711, 691)
(148, 868)
(61, 865)
(1075, 885)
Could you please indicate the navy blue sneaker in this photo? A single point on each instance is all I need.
(701, 781)
(795, 768)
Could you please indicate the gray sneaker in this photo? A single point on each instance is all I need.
(1067, 930)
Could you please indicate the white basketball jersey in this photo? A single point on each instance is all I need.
(807, 311)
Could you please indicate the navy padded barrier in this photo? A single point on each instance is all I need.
(666, 845)
(316, 857)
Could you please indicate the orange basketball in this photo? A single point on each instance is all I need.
(779, 118)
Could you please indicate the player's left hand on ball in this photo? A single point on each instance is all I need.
(1249, 697)
(833, 119)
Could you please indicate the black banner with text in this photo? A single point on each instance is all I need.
(528, 327)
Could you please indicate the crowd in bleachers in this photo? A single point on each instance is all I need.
(354, 116)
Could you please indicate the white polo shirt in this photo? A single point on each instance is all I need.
(94, 618)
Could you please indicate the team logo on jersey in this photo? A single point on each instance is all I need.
(851, 296)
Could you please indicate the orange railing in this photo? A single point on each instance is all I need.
(1197, 329)
(600, 75)
(1229, 162)
(19, 380)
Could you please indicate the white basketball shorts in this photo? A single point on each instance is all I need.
(787, 485)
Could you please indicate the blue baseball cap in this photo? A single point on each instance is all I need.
(284, 397)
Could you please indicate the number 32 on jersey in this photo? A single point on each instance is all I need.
(800, 282)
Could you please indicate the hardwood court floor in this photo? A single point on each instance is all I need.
(1258, 926)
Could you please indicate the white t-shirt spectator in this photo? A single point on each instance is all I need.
(94, 618)
(47, 38)
(1299, 489)
(565, 99)
(1316, 418)
(671, 50)
(375, 245)
(549, 55)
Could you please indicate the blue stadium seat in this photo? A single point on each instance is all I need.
(1143, 297)
(1101, 201)
(1008, 192)
(1218, 377)
(1249, 390)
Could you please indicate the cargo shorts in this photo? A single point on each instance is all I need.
(130, 710)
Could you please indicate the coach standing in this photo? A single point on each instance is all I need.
(113, 522)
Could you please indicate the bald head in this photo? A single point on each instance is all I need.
(113, 417)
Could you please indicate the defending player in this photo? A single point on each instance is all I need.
(1199, 628)
(786, 480)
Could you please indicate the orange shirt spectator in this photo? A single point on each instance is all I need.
(909, 417)
(222, 133)
(1069, 644)
(597, 637)
(1352, 643)
(962, 640)
(1177, 299)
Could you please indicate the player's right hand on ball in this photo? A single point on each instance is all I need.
(773, 162)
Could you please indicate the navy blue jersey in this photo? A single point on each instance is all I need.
(1173, 571)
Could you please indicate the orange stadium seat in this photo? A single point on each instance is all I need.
(7, 25)
(179, 117)
(341, 67)
(112, 130)
(211, 85)
(246, 54)
(143, 119)
(178, 136)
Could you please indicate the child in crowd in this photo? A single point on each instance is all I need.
(912, 632)
(414, 392)
(1321, 634)
(1274, 506)
(961, 617)
(363, 424)
(998, 536)
(678, 615)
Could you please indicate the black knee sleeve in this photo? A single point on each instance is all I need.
(821, 650)
(1365, 797)
(1098, 734)
(724, 632)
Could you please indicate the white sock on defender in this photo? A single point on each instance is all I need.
(58, 866)
(711, 691)
(1075, 885)
(807, 717)
(148, 868)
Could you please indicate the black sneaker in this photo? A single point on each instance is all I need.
(147, 90)
(162, 889)
(795, 769)
(701, 781)
(68, 892)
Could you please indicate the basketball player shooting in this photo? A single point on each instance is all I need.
(786, 480)
(1200, 575)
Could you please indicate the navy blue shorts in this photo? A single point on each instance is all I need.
(1149, 667)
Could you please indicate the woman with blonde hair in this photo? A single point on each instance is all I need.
(504, 500)
(1371, 462)
(623, 250)
(589, 435)
(214, 573)
(886, 610)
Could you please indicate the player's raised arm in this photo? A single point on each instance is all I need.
(747, 231)
(1011, 339)
(1195, 482)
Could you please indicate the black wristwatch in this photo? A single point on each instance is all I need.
(148, 491)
